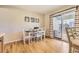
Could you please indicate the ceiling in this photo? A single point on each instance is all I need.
(42, 9)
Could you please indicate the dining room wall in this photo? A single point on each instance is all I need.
(12, 21)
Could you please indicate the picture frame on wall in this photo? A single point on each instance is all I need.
(37, 20)
(26, 19)
(32, 19)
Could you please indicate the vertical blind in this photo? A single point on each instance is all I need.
(77, 18)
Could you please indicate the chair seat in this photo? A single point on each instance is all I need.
(26, 37)
(75, 42)
(38, 34)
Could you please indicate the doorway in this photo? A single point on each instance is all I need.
(57, 24)
(62, 21)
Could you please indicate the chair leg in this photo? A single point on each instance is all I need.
(44, 36)
(73, 49)
(24, 41)
(37, 39)
(70, 49)
(34, 39)
(41, 37)
(29, 41)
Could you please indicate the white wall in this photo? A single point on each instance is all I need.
(12, 21)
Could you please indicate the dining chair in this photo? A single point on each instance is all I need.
(73, 39)
(37, 35)
(27, 35)
(43, 34)
(75, 33)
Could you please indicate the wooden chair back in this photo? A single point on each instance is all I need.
(70, 36)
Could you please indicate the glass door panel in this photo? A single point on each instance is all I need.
(57, 26)
(68, 21)
(61, 22)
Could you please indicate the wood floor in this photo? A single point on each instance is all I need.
(45, 46)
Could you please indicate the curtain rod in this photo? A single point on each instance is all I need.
(65, 10)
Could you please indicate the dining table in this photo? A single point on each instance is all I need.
(1, 40)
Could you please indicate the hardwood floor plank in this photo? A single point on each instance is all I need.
(44, 46)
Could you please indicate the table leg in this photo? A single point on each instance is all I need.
(2, 45)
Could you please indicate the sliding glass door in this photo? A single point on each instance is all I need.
(68, 20)
(62, 21)
(57, 24)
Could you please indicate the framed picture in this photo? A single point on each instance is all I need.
(37, 20)
(32, 19)
(26, 19)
